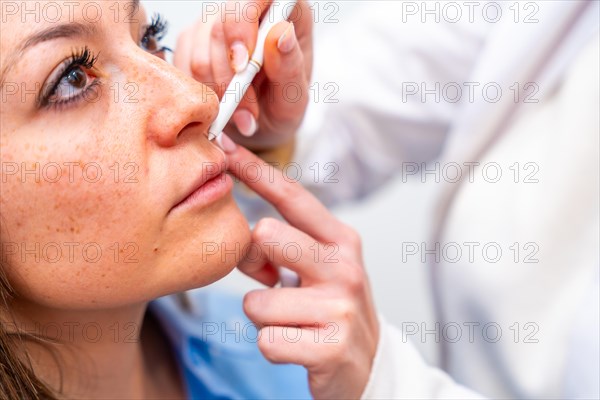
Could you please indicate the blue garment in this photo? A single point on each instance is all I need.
(215, 346)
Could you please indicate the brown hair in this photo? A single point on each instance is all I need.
(17, 379)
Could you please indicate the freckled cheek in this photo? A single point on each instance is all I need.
(79, 194)
(69, 204)
(100, 229)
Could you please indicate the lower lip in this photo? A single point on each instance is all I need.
(208, 193)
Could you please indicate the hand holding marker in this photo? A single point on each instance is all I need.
(242, 80)
(238, 87)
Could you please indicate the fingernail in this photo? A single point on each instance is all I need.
(245, 122)
(287, 41)
(239, 56)
(227, 144)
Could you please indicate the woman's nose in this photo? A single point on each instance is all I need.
(177, 106)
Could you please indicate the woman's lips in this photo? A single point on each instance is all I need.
(208, 192)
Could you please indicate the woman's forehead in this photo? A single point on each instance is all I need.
(26, 23)
(20, 18)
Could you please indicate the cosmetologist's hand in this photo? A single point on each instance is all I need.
(219, 44)
(328, 324)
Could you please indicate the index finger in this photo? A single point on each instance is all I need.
(299, 207)
(241, 21)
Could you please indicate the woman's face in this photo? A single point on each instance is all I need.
(101, 142)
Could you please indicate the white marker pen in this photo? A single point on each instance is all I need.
(242, 80)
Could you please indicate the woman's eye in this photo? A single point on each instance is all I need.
(150, 44)
(153, 34)
(72, 84)
(70, 81)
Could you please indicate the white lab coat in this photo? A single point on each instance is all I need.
(374, 132)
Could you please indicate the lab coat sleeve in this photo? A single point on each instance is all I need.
(399, 372)
(383, 98)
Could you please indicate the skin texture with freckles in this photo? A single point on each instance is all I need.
(90, 234)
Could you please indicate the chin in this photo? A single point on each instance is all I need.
(208, 251)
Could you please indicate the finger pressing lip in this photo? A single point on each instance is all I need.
(298, 206)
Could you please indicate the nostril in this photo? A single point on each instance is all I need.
(193, 130)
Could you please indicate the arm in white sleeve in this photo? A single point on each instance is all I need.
(365, 119)
(399, 372)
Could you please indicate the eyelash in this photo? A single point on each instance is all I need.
(156, 30)
(85, 59)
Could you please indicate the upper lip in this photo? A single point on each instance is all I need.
(208, 171)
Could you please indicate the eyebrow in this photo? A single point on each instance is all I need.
(67, 30)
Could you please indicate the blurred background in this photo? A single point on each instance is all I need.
(400, 212)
